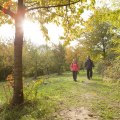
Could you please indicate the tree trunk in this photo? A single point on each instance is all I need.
(18, 97)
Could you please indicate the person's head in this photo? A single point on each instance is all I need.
(88, 57)
(74, 60)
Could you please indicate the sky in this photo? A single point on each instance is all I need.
(32, 32)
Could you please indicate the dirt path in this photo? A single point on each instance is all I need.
(81, 113)
(77, 114)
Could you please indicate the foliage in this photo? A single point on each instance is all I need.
(59, 58)
(98, 40)
(112, 18)
(112, 71)
(32, 88)
(60, 12)
(69, 56)
(10, 79)
(41, 61)
(101, 39)
(76, 52)
(100, 66)
(6, 59)
(116, 46)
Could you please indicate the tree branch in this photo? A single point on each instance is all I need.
(53, 6)
(7, 11)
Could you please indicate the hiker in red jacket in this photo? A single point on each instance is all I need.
(74, 68)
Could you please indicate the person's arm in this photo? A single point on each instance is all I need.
(92, 64)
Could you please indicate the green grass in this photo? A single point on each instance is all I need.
(47, 96)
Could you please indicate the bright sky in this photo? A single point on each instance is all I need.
(32, 32)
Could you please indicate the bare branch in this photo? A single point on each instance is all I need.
(7, 11)
(53, 6)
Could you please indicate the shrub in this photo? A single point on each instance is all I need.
(4, 72)
(113, 70)
(100, 66)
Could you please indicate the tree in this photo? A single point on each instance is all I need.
(78, 52)
(30, 59)
(59, 58)
(99, 32)
(22, 7)
(101, 38)
(98, 40)
(69, 56)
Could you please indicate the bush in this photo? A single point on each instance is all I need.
(113, 70)
(4, 72)
(100, 66)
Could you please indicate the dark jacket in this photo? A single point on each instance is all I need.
(89, 64)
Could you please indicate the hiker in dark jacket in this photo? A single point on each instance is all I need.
(89, 65)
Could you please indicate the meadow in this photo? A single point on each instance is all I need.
(56, 97)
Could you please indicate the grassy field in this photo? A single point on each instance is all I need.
(59, 97)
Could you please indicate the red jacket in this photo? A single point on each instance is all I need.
(74, 67)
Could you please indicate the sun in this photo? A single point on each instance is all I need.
(29, 27)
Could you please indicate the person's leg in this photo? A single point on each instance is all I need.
(88, 76)
(91, 73)
(76, 75)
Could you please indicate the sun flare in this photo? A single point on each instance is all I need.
(32, 31)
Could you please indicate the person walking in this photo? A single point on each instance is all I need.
(89, 65)
(74, 68)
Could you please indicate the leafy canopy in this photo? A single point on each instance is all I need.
(66, 13)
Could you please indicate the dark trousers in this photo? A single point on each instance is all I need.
(89, 73)
(75, 75)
